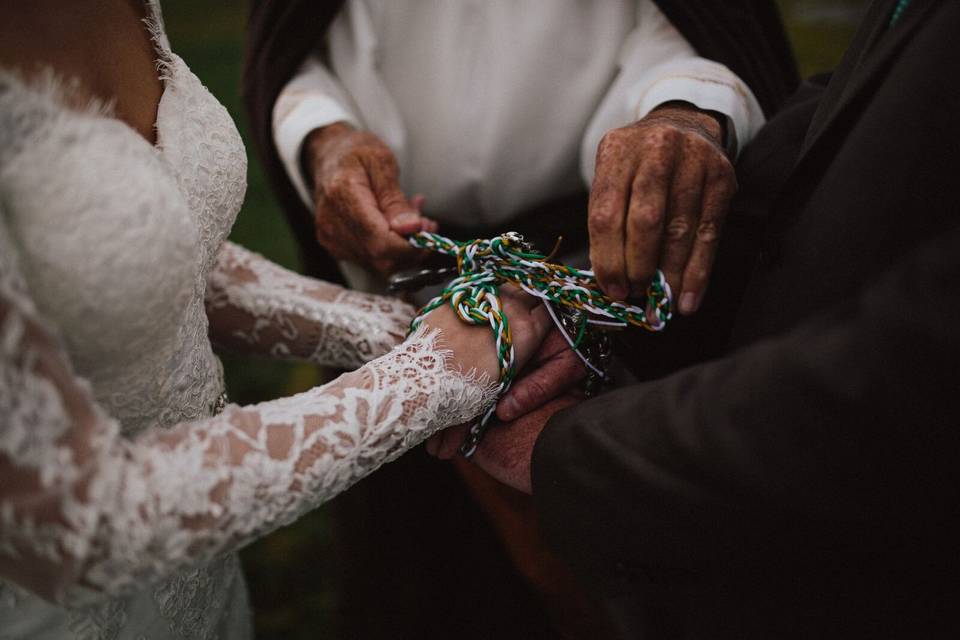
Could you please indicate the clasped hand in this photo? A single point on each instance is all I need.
(361, 214)
(660, 194)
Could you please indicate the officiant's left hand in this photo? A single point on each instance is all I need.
(660, 194)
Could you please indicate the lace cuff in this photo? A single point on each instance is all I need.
(256, 305)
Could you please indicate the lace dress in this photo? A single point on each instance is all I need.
(127, 484)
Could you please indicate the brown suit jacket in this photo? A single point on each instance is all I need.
(805, 483)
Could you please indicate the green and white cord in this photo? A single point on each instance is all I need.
(485, 265)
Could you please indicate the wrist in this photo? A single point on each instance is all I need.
(320, 137)
(712, 124)
(471, 346)
(316, 144)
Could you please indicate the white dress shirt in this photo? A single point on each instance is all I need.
(494, 106)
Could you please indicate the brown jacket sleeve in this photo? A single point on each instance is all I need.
(840, 434)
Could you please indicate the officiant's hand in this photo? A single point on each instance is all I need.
(361, 214)
(659, 197)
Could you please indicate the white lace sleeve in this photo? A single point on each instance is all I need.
(85, 511)
(256, 305)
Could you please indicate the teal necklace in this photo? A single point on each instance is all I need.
(898, 11)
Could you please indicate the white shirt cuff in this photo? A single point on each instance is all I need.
(737, 103)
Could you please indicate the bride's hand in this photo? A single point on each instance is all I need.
(473, 345)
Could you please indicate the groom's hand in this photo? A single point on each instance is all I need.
(659, 197)
(554, 370)
(507, 449)
(361, 214)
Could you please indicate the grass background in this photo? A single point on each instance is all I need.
(290, 572)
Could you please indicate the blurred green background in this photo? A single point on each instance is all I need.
(291, 572)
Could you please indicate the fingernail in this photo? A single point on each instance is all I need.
(406, 218)
(688, 302)
(506, 408)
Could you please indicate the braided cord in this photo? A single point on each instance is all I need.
(485, 265)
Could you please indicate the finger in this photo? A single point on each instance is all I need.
(429, 225)
(606, 216)
(683, 213)
(402, 215)
(534, 389)
(433, 443)
(542, 324)
(721, 185)
(528, 332)
(418, 201)
(506, 450)
(646, 217)
(348, 207)
(450, 440)
(406, 223)
(367, 229)
(391, 251)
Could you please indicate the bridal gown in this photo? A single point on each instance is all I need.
(129, 483)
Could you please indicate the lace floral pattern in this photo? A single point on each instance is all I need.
(270, 310)
(196, 600)
(105, 514)
(124, 496)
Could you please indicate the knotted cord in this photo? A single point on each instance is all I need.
(484, 265)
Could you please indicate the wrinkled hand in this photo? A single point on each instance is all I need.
(659, 197)
(361, 214)
(473, 345)
(553, 370)
(506, 450)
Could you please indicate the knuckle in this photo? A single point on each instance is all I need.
(336, 185)
(678, 229)
(691, 140)
(611, 139)
(653, 173)
(602, 222)
(381, 154)
(647, 217)
(708, 232)
(616, 146)
(663, 137)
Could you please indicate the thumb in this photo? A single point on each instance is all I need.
(555, 376)
(402, 216)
